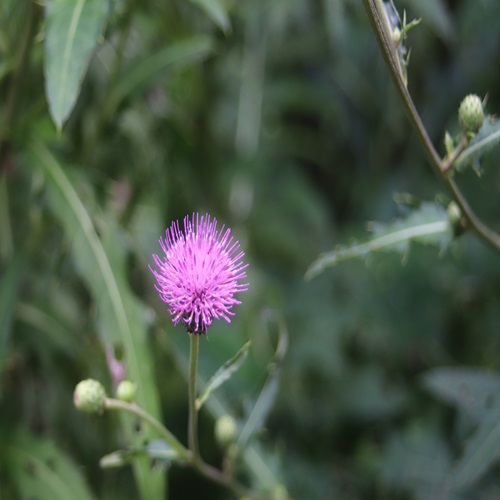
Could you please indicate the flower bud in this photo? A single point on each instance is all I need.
(471, 114)
(126, 391)
(455, 218)
(225, 430)
(89, 396)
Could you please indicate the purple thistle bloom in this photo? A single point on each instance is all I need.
(199, 272)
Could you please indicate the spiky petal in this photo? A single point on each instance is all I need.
(199, 272)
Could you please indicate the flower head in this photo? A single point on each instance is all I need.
(199, 272)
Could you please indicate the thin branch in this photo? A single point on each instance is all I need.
(375, 10)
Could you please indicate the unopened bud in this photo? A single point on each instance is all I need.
(126, 391)
(471, 114)
(225, 430)
(89, 396)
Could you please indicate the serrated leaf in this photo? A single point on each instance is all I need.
(216, 12)
(267, 396)
(72, 30)
(481, 451)
(485, 140)
(144, 72)
(121, 318)
(40, 470)
(427, 225)
(470, 390)
(417, 459)
(223, 374)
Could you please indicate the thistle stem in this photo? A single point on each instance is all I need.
(193, 412)
(116, 404)
(441, 167)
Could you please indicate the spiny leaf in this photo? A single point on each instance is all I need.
(224, 373)
(469, 389)
(485, 140)
(428, 225)
(71, 34)
(481, 451)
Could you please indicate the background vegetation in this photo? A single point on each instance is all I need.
(280, 119)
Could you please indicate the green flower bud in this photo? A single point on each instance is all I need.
(471, 114)
(89, 396)
(126, 391)
(455, 218)
(279, 492)
(225, 430)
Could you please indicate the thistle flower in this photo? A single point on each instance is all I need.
(199, 272)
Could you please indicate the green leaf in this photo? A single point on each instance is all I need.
(428, 225)
(485, 140)
(481, 451)
(9, 286)
(416, 459)
(144, 72)
(71, 34)
(40, 470)
(216, 12)
(470, 390)
(121, 318)
(51, 326)
(224, 373)
(158, 450)
(267, 396)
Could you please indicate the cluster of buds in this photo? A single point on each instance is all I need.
(90, 395)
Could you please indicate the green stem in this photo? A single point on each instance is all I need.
(116, 404)
(193, 412)
(441, 168)
(184, 454)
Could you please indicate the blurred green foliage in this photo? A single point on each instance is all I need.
(279, 118)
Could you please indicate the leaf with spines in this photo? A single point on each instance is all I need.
(469, 389)
(481, 451)
(429, 224)
(224, 373)
(484, 141)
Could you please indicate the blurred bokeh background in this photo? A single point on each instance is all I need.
(280, 120)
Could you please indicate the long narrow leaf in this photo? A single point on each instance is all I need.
(216, 11)
(143, 73)
(71, 34)
(9, 286)
(224, 373)
(40, 470)
(428, 225)
(122, 319)
(268, 394)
